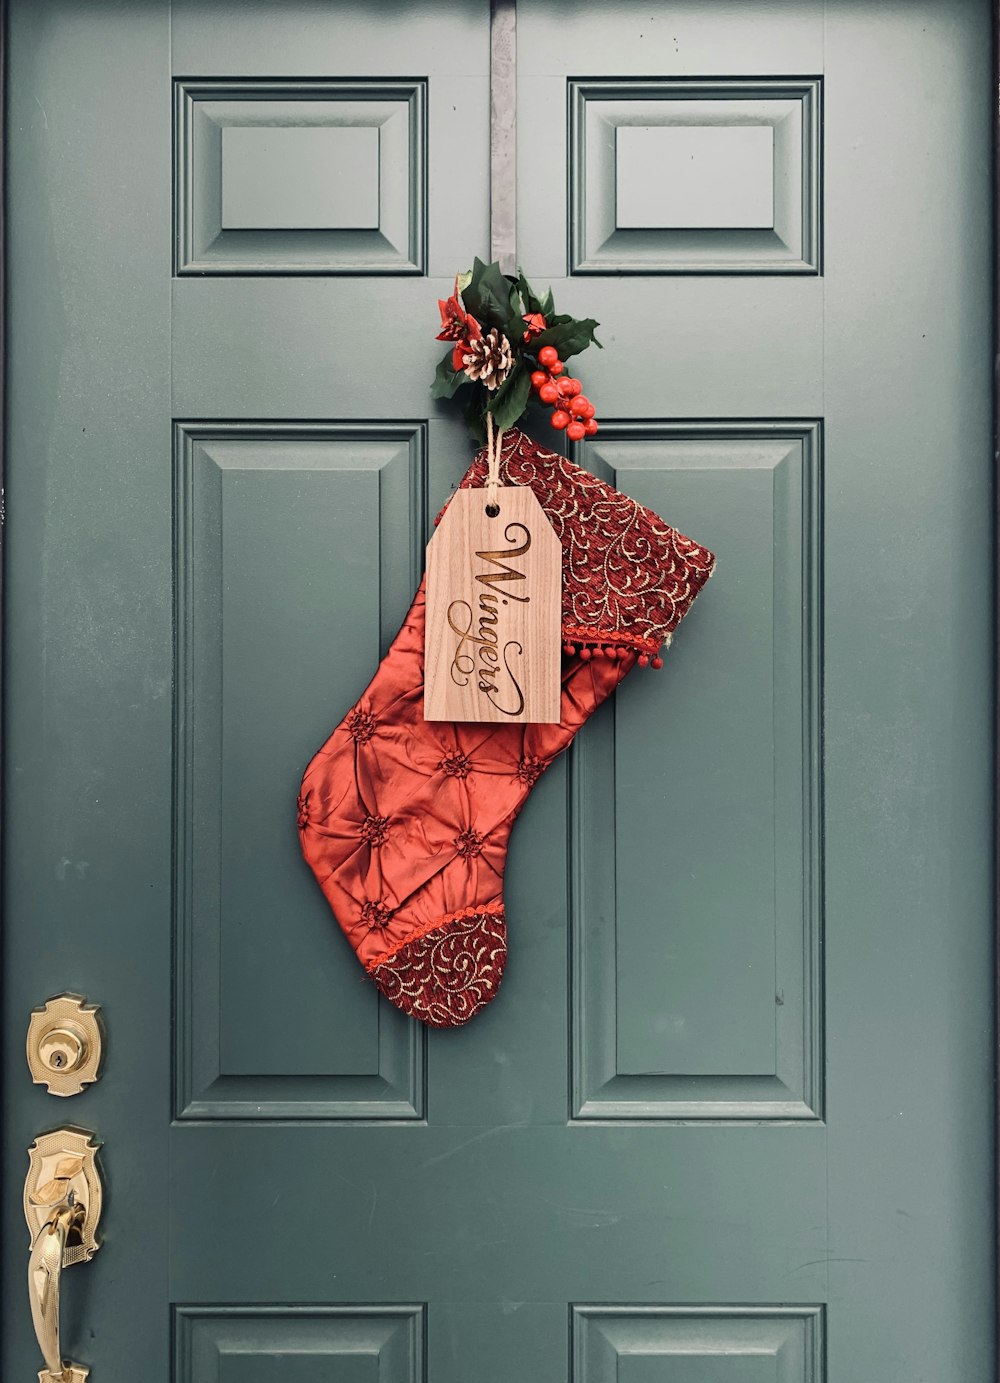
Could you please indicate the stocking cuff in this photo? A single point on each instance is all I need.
(628, 577)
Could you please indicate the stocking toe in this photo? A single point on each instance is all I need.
(446, 975)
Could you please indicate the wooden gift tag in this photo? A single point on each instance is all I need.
(492, 651)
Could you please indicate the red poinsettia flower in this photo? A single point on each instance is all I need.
(536, 324)
(453, 318)
(473, 332)
(456, 323)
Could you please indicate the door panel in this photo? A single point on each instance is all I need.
(259, 510)
(300, 177)
(703, 1000)
(730, 1115)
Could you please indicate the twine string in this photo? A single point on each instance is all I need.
(493, 463)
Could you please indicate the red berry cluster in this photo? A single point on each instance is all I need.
(571, 410)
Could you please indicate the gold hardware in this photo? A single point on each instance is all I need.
(62, 1205)
(65, 1043)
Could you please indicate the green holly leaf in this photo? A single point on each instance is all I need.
(532, 303)
(582, 337)
(491, 298)
(511, 399)
(447, 381)
(472, 294)
(568, 335)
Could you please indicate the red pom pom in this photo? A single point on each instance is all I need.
(644, 660)
(585, 654)
(611, 653)
(569, 649)
(657, 663)
(621, 652)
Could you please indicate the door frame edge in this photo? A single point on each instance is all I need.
(995, 168)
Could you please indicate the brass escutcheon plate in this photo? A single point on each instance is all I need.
(65, 1044)
(61, 1162)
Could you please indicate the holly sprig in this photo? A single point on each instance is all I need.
(507, 345)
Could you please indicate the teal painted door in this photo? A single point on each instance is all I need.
(730, 1117)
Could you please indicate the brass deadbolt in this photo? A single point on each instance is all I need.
(64, 1044)
(63, 1049)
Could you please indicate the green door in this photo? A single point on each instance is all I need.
(729, 1119)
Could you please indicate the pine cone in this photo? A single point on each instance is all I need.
(489, 359)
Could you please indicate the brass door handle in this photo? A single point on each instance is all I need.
(62, 1204)
(44, 1281)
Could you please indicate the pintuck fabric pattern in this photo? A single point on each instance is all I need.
(405, 822)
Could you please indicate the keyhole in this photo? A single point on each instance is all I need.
(62, 1049)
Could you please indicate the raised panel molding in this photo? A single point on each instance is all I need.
(299, 1344)
(300, 177)
(297, 549)
(708, 177)
(698, 1344)
(277, 176)
(696, 909)
(675, 176)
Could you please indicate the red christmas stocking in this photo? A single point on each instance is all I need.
(405, 822)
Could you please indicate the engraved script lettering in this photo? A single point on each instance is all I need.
(487, 658)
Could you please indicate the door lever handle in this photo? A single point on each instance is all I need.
(44, 1282)
(62, 1204)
